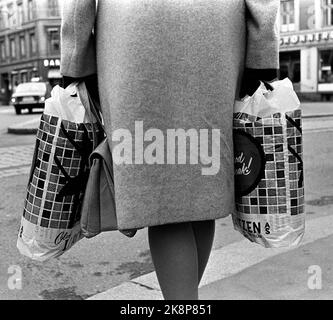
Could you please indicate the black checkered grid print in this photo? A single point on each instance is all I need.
(53, 201)
(281, 190)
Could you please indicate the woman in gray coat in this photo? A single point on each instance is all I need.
(168, 74)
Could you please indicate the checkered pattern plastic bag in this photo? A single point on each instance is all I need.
(269, 184)
(50, 224)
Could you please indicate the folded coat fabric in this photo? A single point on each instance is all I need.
(170, 64)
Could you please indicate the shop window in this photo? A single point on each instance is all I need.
(287, 15)
(290, 66)
(326, 66)
(327, 12)
(284, 71)
(14, 81)
(297, 72)
(24, 77)
(34, 74)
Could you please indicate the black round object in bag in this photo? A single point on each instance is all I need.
(249, 162)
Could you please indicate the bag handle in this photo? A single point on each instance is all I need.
(91, 109)
(94, 107)
(96, 111)
(267, 85)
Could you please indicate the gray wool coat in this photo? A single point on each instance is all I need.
(168, 65)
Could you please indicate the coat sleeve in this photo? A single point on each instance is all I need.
(78, 50)
(262, 17)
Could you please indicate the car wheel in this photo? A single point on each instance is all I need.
(18, 110)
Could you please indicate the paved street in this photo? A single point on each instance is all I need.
(15, 151)
(15, 160)
(8, 118)
(110, 259)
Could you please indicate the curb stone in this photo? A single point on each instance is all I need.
(27, 127)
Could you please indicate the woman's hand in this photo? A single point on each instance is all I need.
(91, 83)
(252, 78)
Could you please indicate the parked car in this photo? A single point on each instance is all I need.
(30, 95)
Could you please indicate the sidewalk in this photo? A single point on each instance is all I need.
(309, 110)
(317, 109)
(243, 270)
(286, 276)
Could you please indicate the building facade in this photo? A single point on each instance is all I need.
(29, 43)
(306, 45)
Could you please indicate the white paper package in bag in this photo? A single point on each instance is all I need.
(64, 103)
(269, 182)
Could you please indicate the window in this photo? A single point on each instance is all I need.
(12, 48)
(14, 80)
(327, 12)
(54, 41)
(287, 15)
(11, 15)
(22, 46)
(3, 16)
(326, 66)
(20, 14)
(53, 8)
(2, 50)
(31, 14)
(33, 44)
(290, 66)
(307, 14)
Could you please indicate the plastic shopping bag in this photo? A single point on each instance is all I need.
(50, 224)
(269, 184)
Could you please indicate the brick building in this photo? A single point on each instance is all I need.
(29, 42)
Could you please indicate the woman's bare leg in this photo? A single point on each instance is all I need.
(174, 254)
(204, 232)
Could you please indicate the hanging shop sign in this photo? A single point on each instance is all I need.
(307, 38)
